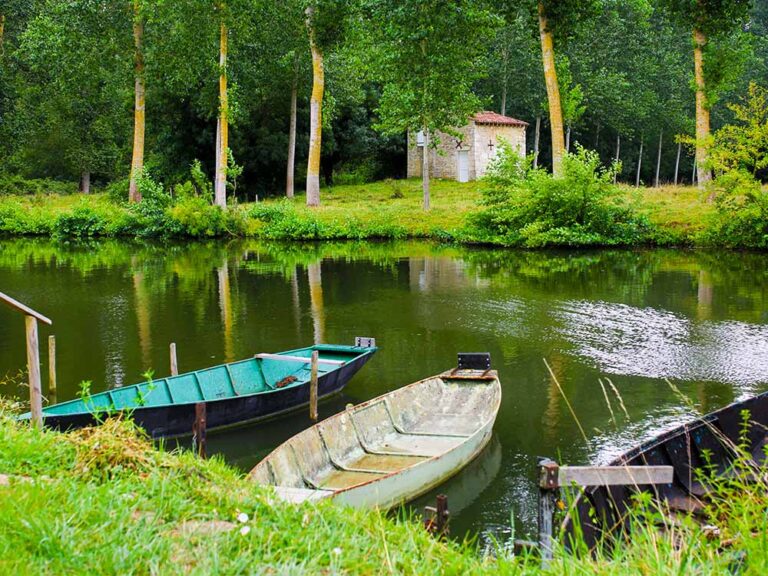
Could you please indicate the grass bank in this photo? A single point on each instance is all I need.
(105, 501)
(390, 209)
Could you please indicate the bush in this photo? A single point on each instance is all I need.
(82, 222)
(17, 219)
(19, 186)
(195, 216)
(530, 208)
(741, 217)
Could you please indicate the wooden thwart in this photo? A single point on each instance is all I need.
(297, 359)
(553, 476)
(609, 476)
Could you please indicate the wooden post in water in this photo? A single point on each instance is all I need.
(199, 430)
(174, 363)
(442, 515)
(33, 366)
(33, 356)
(313, 387)
(52, 369)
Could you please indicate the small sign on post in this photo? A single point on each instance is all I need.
(33, 356)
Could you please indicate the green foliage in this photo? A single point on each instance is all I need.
(582, 208)
(429, 54)
(82, 222)
(741, 218)
(743, 146)
(18, 185)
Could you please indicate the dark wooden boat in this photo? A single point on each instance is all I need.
(234, 393)
(710, 441)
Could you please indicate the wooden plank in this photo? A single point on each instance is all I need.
(614, 475)
(13, 303)
(313, 387)
(287, 358)
(33, 367)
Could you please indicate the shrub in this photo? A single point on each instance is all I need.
(195, 216)
(20, 186)
(530, 208)
(741, 217)
(82, 222)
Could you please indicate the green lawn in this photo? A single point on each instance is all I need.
(387, 209)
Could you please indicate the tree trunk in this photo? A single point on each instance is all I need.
(677, 160)
(290, 170)
(139, 118)
(639, 164)
(504, 99)
(425, 169)
(536, 138)
(568, 139)
(597, 136)
(220, 186)
(85, 182)
(553, 93)
(316, 117)
(658, 160)
(702, 108)
(2, 32)
(218, 144)
(618, 155)
(693, 173)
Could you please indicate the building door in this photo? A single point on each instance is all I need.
(463, 165)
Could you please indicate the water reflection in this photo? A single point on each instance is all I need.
(637, 317)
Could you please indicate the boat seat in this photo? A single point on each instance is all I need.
(461, 425)
(415, 445)
(385, 463)
(340, 479)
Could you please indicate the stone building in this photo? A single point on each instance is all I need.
(467, 158)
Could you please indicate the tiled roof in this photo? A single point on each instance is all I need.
(487, 117)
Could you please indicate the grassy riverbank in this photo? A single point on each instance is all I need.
(104, 501)
(388, 209)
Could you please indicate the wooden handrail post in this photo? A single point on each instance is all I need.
(313, 386)
(33, 356)
(33, 367)
(174, 363)
(52, 369)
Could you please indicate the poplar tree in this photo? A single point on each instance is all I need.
(430, 53)
(707, 20)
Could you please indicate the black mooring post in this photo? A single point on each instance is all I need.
(199, 430)
(548, 491)
(436, 517)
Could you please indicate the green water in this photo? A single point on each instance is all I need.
(634, 317)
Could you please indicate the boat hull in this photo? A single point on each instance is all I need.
(177, 420)
(707, 442)
(418, 480)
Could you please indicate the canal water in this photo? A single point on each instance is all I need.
(639, 340)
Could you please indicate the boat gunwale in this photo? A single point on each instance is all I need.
(363, 351)
(490, 377)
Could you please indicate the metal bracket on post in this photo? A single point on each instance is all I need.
(436, 517)
(365, 342)
(548, 491)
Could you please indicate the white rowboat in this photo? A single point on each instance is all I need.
(390, 449)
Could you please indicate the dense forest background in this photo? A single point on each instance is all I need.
(625, 72)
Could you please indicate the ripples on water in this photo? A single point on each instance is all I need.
(621, 339)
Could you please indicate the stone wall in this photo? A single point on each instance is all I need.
(490, 133)
(475, 139)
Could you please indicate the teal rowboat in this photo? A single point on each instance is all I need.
(234, 393)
